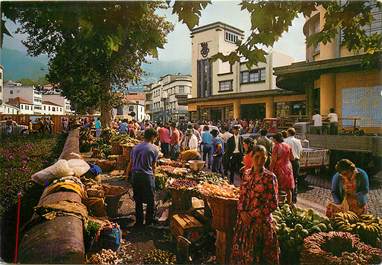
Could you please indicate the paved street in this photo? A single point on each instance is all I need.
(317, 194)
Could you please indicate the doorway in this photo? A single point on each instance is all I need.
(252, 111)
(216, 114)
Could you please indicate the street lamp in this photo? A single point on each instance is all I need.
(164, 99)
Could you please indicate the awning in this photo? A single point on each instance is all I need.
(297, 75)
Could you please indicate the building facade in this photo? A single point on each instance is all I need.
(132, 103)
(221, 91)
(24, 106)
(167, 98)
(60, 100)
(334, 77)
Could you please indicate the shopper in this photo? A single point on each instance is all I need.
(98, 127)
(248, 146)
(296, 147)
(281, 165)
(350, 187)
(174, 142)
(190, 142)
(123, 127)
(255, 240)
(317, 122)
(235, 152)
(217, 152)
(207, 146)
(141, 171)
(267, 143)
(333, 122)
(164, 138)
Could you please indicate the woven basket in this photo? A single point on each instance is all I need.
(224, 213)
(116, 149)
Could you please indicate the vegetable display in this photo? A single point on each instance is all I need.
(338, 248)
(294, 224)
(367, 226)
(124, 139)
(106, 256)
(182, 184)
(224, 190)
(158, 256)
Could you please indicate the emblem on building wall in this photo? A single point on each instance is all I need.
(205, 50)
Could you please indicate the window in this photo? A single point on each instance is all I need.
(181, 89)
(225, 86)
(21, 106)
(231, 37)
(1, 88)
(253, 76)
(11, 92)
(1, 75)
(26, 107)
(60, 109)
(49, 108)
(44, 107)
(131, 108)
(53, 109)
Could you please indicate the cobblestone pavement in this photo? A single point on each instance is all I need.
(317, 194)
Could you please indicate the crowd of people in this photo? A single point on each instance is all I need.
(265, 167)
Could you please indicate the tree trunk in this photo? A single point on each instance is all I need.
(106, 106)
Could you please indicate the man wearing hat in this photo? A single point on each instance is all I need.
(235, 152)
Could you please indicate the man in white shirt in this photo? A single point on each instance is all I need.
(234, 152)
(190, 142)
(296, 146)
(333, 122)
(317, 122)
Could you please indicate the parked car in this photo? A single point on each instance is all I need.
(16, 128)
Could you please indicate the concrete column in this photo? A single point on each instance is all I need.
(269, 107)
(236, 109)
(327, 93)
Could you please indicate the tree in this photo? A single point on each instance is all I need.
(101, 46)
(104, 44)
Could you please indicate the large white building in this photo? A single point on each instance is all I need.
(167, 99)
(221, 91)
(13, 90)
(59, 100)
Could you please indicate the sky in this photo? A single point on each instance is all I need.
(179, 42)
(178, 46)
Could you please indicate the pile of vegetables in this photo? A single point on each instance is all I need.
(124, 139)
(158, 256)
(182, 184)
(210, 177)
(173, 172)
(294, 224)
(101, 149)
(224, 190)
(90, 233)
(169, 162)
(106, 256)
(367, 226)
(160, 180)
(338, 248)
(86, 140)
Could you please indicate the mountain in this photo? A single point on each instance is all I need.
(18, 65)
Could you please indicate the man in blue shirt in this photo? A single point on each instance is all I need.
(217, 152)
(207, 146)
(123, 127)
(141, 171)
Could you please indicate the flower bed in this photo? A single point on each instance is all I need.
(20, 157)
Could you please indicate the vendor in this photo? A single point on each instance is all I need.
(350, 186)
(255, 239)
(141, 170)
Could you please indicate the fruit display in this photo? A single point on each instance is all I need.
(173, 172)
(124, 139)
(224, 190)
(169, 162)
(294, 224)
(158, 256)
(106, 256)
(338, 248)
(182, 184)
(160, 180)
(367, 226)
(210, 177)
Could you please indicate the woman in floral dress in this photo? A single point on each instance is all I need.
(281, 165)
(255, 239)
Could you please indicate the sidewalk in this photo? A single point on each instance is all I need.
(318, 194)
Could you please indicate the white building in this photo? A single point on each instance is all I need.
(133, 102)
(24, 106)
(29, 93)
(50, 108)
(167, 98)
(221, 91)
(59, 100)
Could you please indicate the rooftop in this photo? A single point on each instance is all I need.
(45, 102)
(216, 25)
(17, 101)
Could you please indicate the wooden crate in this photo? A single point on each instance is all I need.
(187, 226)
(181, 200)
(224, 213)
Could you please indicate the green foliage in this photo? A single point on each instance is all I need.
(29, 82)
